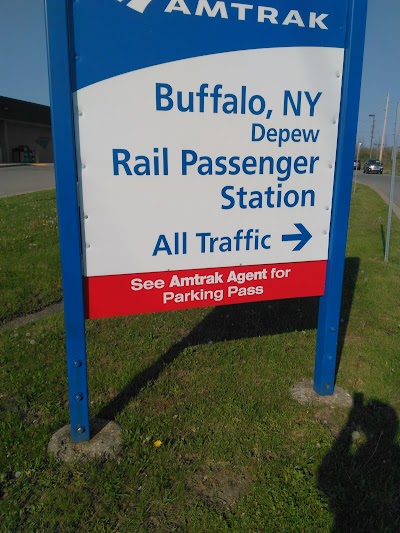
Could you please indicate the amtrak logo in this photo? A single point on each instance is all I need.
(234, 10)
(138, 5)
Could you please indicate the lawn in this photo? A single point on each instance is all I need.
(29, 254)
(238, 453)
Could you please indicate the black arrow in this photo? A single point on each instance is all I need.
(304, 236)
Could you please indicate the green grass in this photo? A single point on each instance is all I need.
(213, 385)
(29, 254)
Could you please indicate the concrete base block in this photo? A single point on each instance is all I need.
(105, 443)
(304, 393)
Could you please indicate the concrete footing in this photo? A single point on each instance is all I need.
(304, 393)
(105, 443)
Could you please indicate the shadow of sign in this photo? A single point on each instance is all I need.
(360, 475)
(235, 322)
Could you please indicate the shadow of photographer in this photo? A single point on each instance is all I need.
(360, 475)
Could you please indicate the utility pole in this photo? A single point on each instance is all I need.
(372, 135)
(384, 127)
(357, 160)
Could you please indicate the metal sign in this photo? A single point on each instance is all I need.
(207, 141)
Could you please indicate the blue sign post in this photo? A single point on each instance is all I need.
(330, 303)
(59, 54)
(203, 156)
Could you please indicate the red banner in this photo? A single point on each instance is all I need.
(131, 294)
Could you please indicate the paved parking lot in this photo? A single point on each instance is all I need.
(22, 179)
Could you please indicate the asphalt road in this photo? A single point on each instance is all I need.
(23, 179)
(381, 183)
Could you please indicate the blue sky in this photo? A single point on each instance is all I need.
(23, 60)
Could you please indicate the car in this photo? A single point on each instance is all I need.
(356, 164)
(373, 165)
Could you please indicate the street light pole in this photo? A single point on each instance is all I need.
(394, 161)
(372, 135)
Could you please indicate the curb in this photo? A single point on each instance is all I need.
(7, 165)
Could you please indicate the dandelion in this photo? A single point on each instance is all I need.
(157, 443)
